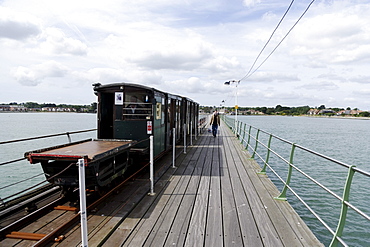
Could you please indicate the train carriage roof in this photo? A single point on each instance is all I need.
(107, 87)
(100, 87)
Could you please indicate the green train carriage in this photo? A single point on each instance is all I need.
(128, 114)
(134, 112)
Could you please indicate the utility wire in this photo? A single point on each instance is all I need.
(21, 181)
(249, 74)
(277, 26)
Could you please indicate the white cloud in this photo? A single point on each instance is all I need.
(250, 3)
(58, 43)
(17, 25)
(339, 37)
(188, 48)
(35, 74)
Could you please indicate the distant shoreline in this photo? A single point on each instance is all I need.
(43, 112)
(311, 116)
(340, 117)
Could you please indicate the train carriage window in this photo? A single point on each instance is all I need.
(137, 106)
(159, 111)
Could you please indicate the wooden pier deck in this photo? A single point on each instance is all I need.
(213, 198)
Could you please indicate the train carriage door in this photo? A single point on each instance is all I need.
(172, 119)
(159, 126)
(169, 119)
(178, 119)
(105, 115)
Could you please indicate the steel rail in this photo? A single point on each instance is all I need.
(29, 218)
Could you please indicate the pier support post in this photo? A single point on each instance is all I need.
(151, 166)
(185, 138)
(191, 133)
(83, 213)
(173, 147)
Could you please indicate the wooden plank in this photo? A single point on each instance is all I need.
(135, 216)
(214, 229)
(163, 225)
(196, 232)
(141, 225)
(264, 224)
(164, 222)
(90, 149)
(120, 206)
(147, 227)
(178, 232)
(282, 227)
(231, 230)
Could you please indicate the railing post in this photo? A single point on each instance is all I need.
(255, 147)
(282, 195)
(242, 138)
(185, 138)
(249, 137)
(343, 213)
(151, 166)
(69, 137)
(191, 133)
(173, 147)
(82, 191)
(239, 129)
(263, 171)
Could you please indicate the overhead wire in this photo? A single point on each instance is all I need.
(268, 41)
(304, 12)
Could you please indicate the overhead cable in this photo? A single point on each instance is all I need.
(249, 74)
(277, 26)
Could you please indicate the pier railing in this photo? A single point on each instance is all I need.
(3, 199)
(278, 157)
(68, 134)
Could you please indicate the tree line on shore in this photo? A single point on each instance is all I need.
(284, 110)
(34, 106)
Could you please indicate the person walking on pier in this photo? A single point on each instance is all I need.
(215, 122)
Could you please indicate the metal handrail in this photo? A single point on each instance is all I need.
(241, 131)
(68, 134)
(47, 136)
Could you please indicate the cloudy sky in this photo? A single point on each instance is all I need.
(53, 51)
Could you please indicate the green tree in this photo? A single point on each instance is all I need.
(364, 114)
(322, 107)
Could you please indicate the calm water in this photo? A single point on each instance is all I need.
(346, 140)
(23, 125)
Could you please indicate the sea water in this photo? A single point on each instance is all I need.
(16, 126)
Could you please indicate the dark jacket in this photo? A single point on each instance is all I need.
(215, 118)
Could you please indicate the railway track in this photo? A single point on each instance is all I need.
(16, 209)
(49, 223)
